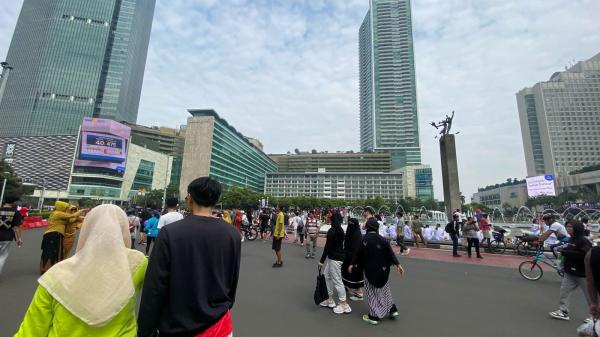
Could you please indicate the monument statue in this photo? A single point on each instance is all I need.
(446, 125)
(452, 198)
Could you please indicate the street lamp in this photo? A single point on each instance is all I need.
(3, 187)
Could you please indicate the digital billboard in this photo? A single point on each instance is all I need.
(541, 185)
(103, 143)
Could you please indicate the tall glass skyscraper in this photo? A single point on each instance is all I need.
(388, 93)
(73, 59)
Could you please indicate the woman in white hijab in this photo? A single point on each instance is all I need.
(92, 293)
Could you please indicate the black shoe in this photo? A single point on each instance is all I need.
(469, 256)
(479, 257)
(456, 255)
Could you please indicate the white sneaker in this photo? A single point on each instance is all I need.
(328, 303)
(406, 252)
(342, 309)
(559, 314)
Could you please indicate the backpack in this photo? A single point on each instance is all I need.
(449, 228)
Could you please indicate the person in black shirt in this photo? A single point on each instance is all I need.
(193, 273)
(453, 228)
(10, 220)
(334, 254)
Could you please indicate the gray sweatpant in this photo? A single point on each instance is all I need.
(4, 247)
(570, 283)
(333, 278)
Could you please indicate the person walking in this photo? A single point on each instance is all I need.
(297, 223)
(398, 221)
(470, 231)
(417, 229)
(376, 257)
(278, 235)
(93, 293)
(134, 225)
(300, 228)
(453, 229)
(151, 228)
(71, 228)
(484, 225)
(312, 233)
(333, 258)
(172, 214)
(191, 282)
(574, 267)
(264, 218)
(52, 241)
(10, 220)
(352, 242)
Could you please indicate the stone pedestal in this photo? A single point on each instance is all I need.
(450, 174)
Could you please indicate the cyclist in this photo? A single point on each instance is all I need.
(557, 229)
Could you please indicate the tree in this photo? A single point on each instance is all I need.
(14, 186)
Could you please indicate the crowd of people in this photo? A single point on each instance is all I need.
(92, 290)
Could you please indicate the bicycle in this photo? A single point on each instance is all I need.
(249, 231)
(526, 245)
(532, 271)
(498, 245)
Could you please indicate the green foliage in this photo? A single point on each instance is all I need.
(14, 185)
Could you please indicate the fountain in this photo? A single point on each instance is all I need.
(516, 216)
(400, 207)
(494, 211)
(386, 210)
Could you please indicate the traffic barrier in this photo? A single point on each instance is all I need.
(33, 222)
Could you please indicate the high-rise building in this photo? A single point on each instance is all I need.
(72, 59)
(559, 120)
(215, 148)
(388, 94)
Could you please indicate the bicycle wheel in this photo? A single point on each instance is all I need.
(251, 234)
(525, 249)
(498, 247)
(530, 270)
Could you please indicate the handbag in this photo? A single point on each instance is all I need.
(321, 293)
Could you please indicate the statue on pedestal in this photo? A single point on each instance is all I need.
(446, 125)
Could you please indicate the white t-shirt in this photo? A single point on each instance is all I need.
(536, 229)
(408, 234)
(296, 221)
(169, 218)
(439, 234)
(427, 233)
(559, 229)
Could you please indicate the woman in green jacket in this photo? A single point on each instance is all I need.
(92, 293)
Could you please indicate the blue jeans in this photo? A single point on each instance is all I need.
(454, 238)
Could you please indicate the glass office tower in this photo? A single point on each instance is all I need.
(388, 94)
(73, 59)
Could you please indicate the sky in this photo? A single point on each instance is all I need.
(286, 71)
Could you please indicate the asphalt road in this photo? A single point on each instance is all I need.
(434, 298)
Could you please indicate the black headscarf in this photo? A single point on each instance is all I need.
(372, 225)
(578, 238)
(353, 226)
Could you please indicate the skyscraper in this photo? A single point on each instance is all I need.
(559, 120)
(73, 59)
(388, 93)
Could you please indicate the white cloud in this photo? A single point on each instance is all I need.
(286, 71)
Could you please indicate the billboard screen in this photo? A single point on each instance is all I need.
(103, 143)
(541, 185)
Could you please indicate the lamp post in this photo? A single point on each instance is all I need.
(41, 201)
(3, 188)
(166, 184)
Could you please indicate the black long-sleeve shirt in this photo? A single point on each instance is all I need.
(191, 279)
(334, 246)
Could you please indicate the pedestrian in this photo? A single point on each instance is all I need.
(172, 214)
(333, 258)
(453, 229)
(151, 228)
(187, 291)
(352, 241)
(10, 220)
(93, 293)
(376, 257)
(296, 223)
(470, 231)
(24, 211)
(278, 235)
(312, 228)
(227, 217)
(71, 228)
(556, 228)
(485, 227)
(300, 228)
(574, 268)
(264, 219)
(144, 216)
(134, 225)
(52, 241)
(427, 233)
(417, 229)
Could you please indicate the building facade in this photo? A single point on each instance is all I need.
(146, 170)
(417, 182)
(73, 59)
(333, 162)
(388, 94)
(511, 195)
(335, 185)
(215, 148)
(559, 120)
(165, 140)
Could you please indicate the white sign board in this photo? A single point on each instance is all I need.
(541, 185)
